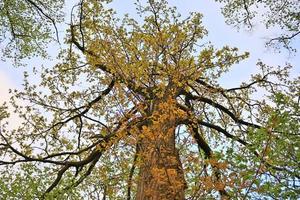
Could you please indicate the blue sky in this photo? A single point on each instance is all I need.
(220, 34)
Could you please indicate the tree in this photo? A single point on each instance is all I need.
(134, 109)
(27, 26)
(283, 14)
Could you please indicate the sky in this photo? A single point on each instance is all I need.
(219, 34)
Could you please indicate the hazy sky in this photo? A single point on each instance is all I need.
(220, 34)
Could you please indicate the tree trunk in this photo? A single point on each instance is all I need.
(161, 175)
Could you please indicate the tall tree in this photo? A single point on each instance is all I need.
(134, 110)
(282, 14)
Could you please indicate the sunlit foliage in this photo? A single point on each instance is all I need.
(134, 109)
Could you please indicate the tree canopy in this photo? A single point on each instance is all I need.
(134, 110)
(281, 14)
(27, 26)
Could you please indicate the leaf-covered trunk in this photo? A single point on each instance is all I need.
(161, 174)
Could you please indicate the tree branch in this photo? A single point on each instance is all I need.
(129, 183)
(222, 108)
(87, 107)
(47, 16)
(208, 154)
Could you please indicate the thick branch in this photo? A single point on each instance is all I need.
(97, 152)
(191, 122)
(221, 130)
(208, 154)
(58, 178)
(222, 108)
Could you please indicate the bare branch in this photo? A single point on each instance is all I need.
(222, 108)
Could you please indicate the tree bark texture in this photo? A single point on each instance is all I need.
(161, 174)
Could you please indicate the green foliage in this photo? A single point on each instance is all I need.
(21, 185)
(121, 84)
(272, 13)
(3, 112)
(27, 26)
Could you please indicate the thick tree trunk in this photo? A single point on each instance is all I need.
(161, 175)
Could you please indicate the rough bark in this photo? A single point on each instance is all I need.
(161, 175)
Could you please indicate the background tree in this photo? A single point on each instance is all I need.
(280, 14)
(134, 109)
(27, 26)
